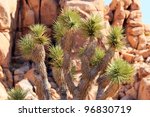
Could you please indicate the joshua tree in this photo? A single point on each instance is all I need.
(17, 94)
(118, 72)
(65, 28)
(94, 60)
(56, 54)
(32, 48)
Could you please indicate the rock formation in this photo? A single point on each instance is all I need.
(17, 15)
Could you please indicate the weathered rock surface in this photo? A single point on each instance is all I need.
(8, 9)
(144, 90)
(3, 92)
(25, 85)
(85, 7)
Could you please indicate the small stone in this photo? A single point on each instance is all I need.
(144, 90)
(128, 57)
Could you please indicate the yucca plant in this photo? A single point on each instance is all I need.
(38, 31)
(56, 54)
(65, 28)
(17, 94)
(97, 57)
(68, 21)
(115, 37)
(69, 18)
(26, 46)
(59, 31)
(94, 61)
(115, 41)
(92, 26)
(36, 52)
(118, 72)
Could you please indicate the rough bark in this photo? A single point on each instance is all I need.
(67, 44)
(110, 91)
(99, 69)
(39, 59)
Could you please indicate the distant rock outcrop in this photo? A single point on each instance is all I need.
(17, 15)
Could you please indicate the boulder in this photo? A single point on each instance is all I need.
(132, 93)
(48, 12)
(135, 5)
(144, 90)
(138, 58)
(136, 14)
(28, 16)
(127, 3)
(119, 15)
(8, 9)
(25, 85)
(145, 53)
(128, 57)
(134, 23)
(143, 71)
(36, 80)
(5, 48)
(136, 31)
(85, 7)
(3, 92)
(19, 73)
(119, 12)
(113, 4)
(35, 6)
(142, 44)
(127, 14)
(133, 41)
(30, 76)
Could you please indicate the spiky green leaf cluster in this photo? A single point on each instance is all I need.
(67, 20)
(29, 41)
(38, 32)
(17, 94)
(56, 54)
(26, 46)
(59, 31)
(97, 57)
(119, 71)
(92, 26)
(115, 37)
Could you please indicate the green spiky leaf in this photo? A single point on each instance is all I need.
(92, 26)
(26, 46)
(17, 94)
(59, 31)
(56, 54)
(70, 19)
(119, 71)
(97, 57)
(39, 34)
(115, 37)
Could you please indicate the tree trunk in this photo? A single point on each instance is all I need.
(39, 59)
(110, 91)
(99, 69)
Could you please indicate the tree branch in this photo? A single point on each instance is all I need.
(67, 44)
(101, 67)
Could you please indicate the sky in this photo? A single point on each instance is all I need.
(145, 7)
